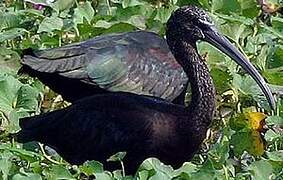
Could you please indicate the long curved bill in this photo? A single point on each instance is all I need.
(223, 44)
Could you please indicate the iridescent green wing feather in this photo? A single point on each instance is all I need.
(138, 62)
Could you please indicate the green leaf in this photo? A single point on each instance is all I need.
(117, 157)
(232, 19)
(42, 2)
(48, 40)
(249, 8)
(225, 6)
(187, 2)
(207, 171)
(277, 24)
(49, 24)
(61, 5)
(245, 84)
(274, 120)
(9, 20)
(22, 153)
(137, 21)
(272, 31)
(275, 155)
(205, 3)
(160, 170)
(250, 141)
(104, 24)
(270, 135)
(261, 170)
(129, 3)
(164, 13)
(274, 76)
(120, 27)
(26, 176)
(12, 125)
(12, 34)
(9, 87)
(103, 8)
(84, 11)
(59, 172)
(238, 122)
(16, 100)
(249, 87)
(221, 79)
(91, 167)
(9, 60)
(276, 60)
(5, 164)
(219, 153)
(143, 175)
(117, 174)
(126, 13)
(187, 168)
(103, 176)
(27, 98)
(214, 57)
(235, 31)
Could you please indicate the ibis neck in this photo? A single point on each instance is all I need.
(201, 107)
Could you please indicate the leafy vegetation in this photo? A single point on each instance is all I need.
(244, 142)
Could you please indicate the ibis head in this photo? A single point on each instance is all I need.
(191, 24)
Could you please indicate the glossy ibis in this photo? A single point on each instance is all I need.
(144, 126)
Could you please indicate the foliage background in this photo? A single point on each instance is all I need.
(244, 142)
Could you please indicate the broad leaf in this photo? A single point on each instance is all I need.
(49, 24)
(84, 11)
(261, 170)
(12, 34)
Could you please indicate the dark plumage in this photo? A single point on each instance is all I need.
(139, 62)
(99, 126)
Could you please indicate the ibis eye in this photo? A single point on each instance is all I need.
(200, 34)
(196, 32)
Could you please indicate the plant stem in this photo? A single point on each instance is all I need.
(109, 8)
(123, 169)
(46, 156)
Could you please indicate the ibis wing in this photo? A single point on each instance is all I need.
(138, 62)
